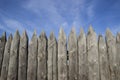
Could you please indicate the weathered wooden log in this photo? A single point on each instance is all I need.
(13, 63)
(111, 48)
(52, 57)
(23, 56)
(92, 51)
(118, 55)
(2, 46)
(62, 56)
(5, 64)
(103, 59)
(83, 63)
(42, 57)
(32, 58)
(73, 55)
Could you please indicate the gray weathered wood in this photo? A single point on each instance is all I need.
(32, 58)
(118, 55)
(23, 53)
(111, 48)
(42, 57)
(92, 49)
(73, 56)
(13, 63)
(52, 57)
(103, 59)
(2, 46)
(5, 64)
(83, 63)
(62, 56)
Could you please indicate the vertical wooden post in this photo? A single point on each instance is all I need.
(103, 59)
(5, 64)
(32, 58)
(73, 56)
(92, 49)
(111, 49)
(13, 63)
(23, 54)
(42, 57)
(83, 63)
(118, 55)
(2, 46)
(62, 56)
(52, 57)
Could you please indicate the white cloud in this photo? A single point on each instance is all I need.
(56, 11)
(45, 8)
(11, 25)
(90, 11)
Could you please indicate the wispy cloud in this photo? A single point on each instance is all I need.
(2, 27)
(90, 11)
(46, 9)
(49, 15)
(12, 25)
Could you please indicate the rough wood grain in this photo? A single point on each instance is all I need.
(2, 46)
(92, 51)
(103, 59)
(62, 56)
(42, 57)
(5, 64)
(83, 63)
(13, 63)
(32, 58)
(73, 56)
(118, 55)
(52, 57)
(111, 49)
(23, 54)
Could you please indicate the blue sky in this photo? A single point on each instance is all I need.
(50, 15)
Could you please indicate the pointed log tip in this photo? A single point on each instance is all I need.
(61, 34)
(108, 32)
(34, 34)
(10, 37)
(61, 30)
(43, 34)
(81, 31)
(4, 34)
(90, 30)
(24, 35)
(17, 33)
(82, 34)
(52, 36)
(73, 29)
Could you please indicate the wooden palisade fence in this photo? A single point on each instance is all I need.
(85, 57)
